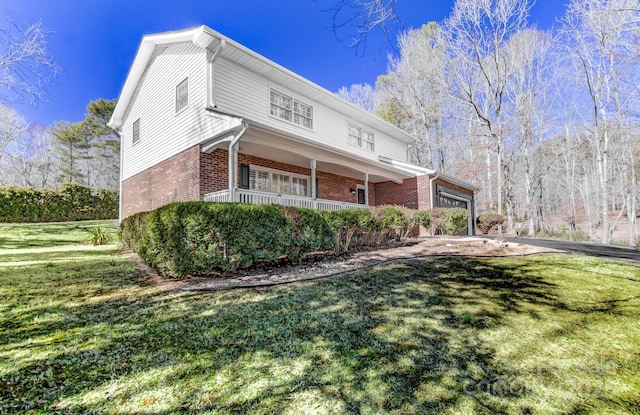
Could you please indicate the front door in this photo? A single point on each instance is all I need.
(361, 198)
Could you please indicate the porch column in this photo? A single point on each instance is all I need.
(233, 170)
(313, 179)
(366, 189)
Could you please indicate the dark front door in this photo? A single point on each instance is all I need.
(361, 196)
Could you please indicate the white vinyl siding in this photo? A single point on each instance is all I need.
(236, 87)
(276, 181)
(361, 138)
(164, 135)
(182, 95)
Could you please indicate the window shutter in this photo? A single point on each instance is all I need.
(317, 194)
(244, 176)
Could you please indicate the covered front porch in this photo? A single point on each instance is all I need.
(268, 167)
(266, 198)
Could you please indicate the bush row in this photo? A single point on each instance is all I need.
(199, 237)
(72, 202)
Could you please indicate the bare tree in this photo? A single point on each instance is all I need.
(528, 102)
(359, 94)
(26, 65)
(33, 161)
(479, 70)
(358, 18)
(414, 86)
(12, 127)
(597, 34)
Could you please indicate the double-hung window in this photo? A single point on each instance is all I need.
(290, 109)
(275, 181)
(182, 95)
(361, 138)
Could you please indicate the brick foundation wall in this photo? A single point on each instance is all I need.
(173, 180)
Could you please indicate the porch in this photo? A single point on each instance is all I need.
(265, 198)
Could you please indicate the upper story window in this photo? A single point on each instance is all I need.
(361, 138)
(136, 131)
(182, 95)
(289, 109)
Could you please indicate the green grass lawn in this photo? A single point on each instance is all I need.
(535, 335)
(46, 235)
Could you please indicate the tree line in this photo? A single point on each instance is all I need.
(85, 152)
(545, 122)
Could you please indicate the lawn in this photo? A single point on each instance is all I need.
(47, 235)
(81, 331)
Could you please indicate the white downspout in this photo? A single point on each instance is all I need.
(431, 189)
(120, 205)
(233, 162)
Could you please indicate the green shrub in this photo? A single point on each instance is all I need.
(72, 202)
(437, 218)
(456, 220)
(448, 221)
(489, 221)
(132, 230)
(199, 237)
(422, 218)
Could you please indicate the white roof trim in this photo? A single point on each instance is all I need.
(422, 171)
(204, 37)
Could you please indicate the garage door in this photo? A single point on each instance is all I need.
(449, 202)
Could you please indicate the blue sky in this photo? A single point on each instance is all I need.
(94, 42)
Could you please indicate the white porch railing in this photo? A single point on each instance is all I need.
(264, 198)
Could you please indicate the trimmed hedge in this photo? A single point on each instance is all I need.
(186, 238)
(198, 237)
(73, 202)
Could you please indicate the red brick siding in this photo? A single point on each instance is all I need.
(173, 180)
(392, 193)
(214, 172)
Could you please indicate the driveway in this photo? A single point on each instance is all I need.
(618, 253)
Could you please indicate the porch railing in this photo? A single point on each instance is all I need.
(264, 198)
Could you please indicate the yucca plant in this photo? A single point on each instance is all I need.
(98, 236)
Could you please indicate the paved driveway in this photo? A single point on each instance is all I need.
(620, 253)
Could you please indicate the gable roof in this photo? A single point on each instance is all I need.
(205, 37)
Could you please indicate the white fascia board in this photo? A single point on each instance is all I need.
(417, 170)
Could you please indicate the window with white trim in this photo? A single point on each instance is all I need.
(361, 138)
(182, 95)
(135, 137)
(276, 181)
(290, 109)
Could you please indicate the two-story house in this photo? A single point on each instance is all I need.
(202, 117)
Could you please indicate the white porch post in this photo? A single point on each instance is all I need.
(233, 170)
(313, 181)
(366, 189)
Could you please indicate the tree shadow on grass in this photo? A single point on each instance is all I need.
(404, 338)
